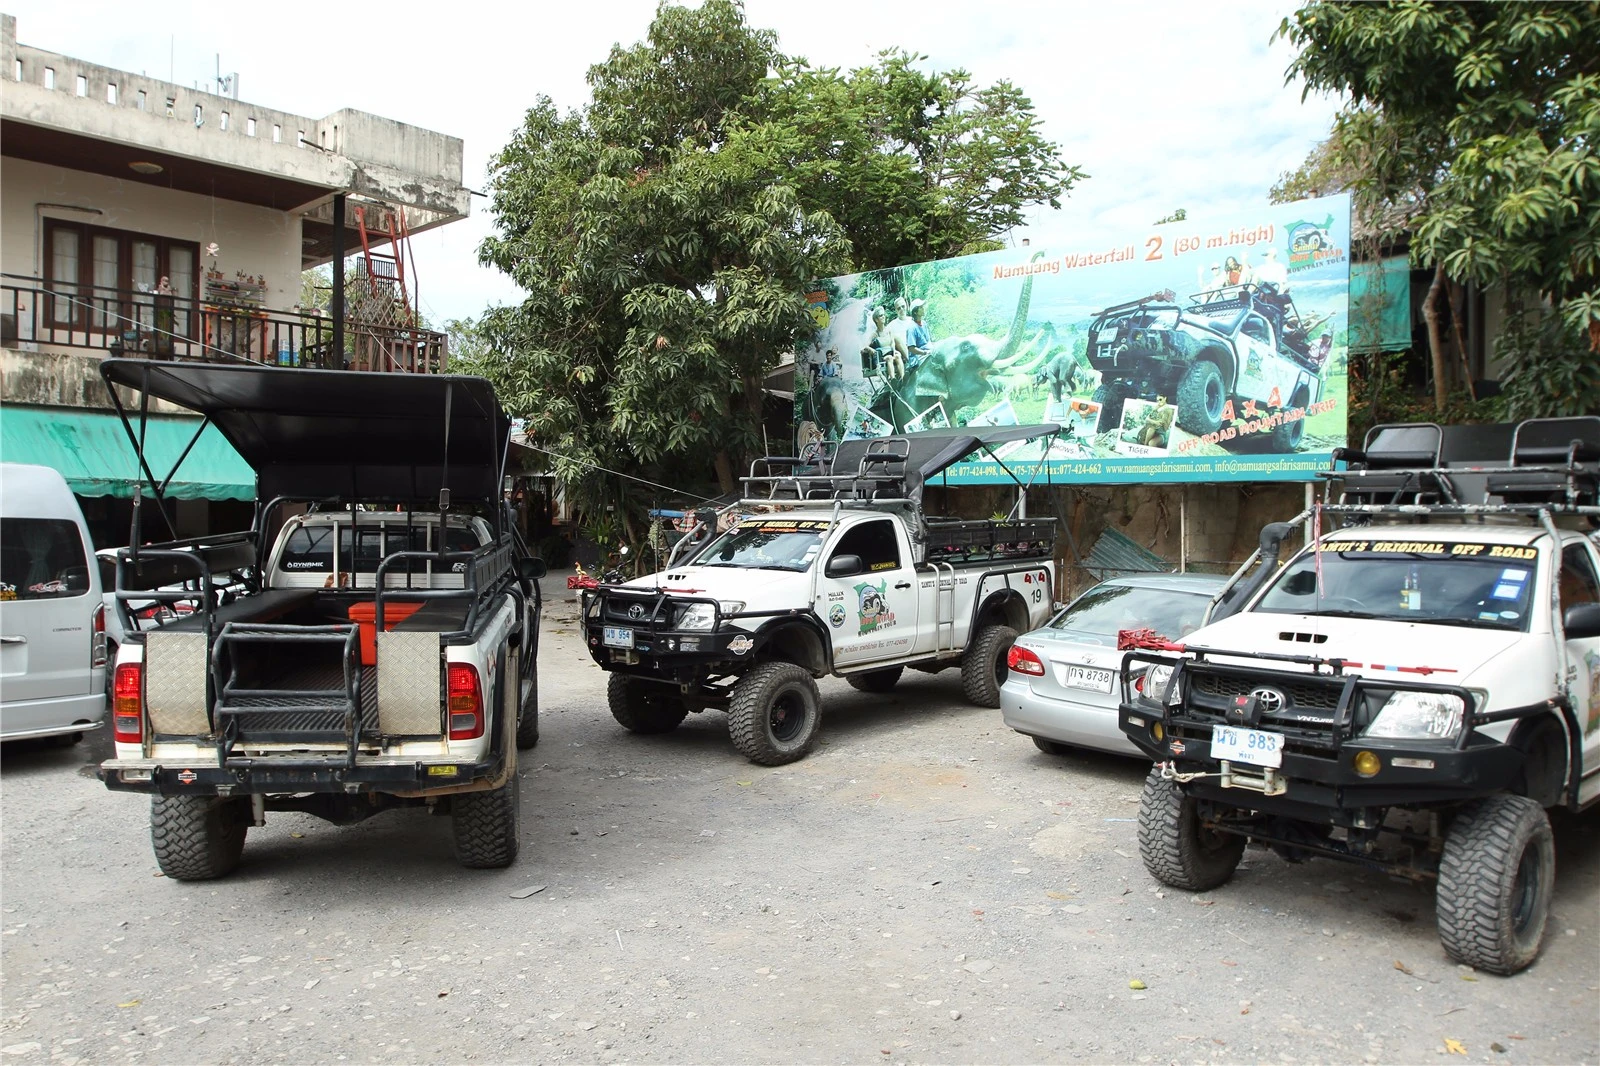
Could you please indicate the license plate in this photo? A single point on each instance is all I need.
(1254, 746)
(617, 637)
(1090, 678)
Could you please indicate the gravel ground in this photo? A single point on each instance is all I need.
(924, 887)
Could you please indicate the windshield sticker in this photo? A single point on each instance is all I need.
(1513, 575)
(1433, 548)
(786, 525)
(887, 564)
(873, 609)
(1507, 591)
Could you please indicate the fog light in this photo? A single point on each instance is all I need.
(1156, 731)
(1367, 763)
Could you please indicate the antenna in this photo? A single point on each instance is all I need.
(227, 84)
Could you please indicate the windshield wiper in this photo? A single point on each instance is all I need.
(1342, 612)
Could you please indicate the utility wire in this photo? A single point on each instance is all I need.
(630, 477)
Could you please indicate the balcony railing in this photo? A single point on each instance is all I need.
(151, 326)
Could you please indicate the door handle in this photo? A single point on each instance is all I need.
(903, 585)
(13, 640)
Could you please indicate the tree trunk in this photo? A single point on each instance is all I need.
(1458, 312)
(724, 471)
(1430, 313)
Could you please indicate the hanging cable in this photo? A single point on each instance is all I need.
(630, 477)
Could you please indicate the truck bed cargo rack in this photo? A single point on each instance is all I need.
(973, 540)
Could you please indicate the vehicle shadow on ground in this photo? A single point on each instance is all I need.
(49, 755)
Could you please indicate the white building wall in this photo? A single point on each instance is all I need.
(255, 240)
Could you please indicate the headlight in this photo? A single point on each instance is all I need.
(1418, 716)
(695, 616)
(1156, 680)
(730, 606)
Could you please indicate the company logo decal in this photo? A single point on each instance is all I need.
(836, 615)
(873, 609)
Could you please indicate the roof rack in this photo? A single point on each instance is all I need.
(1421, 468)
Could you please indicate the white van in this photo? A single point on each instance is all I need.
(52, 615)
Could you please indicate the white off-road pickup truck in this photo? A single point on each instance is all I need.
(828, 567)
(1409, 693)
(379, 651)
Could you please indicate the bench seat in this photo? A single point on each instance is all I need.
(266, 606)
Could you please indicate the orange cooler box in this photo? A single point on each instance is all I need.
(365, 615)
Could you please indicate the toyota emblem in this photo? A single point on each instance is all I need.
(1270, 699)
(636, 612)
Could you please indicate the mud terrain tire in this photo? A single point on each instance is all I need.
(1110, 398)
(1176, 849)
(527, 706)
(643, 708)
(485, 826)
(1202, 397)
(774, 714)
(1495, 880)
(875, 680)
(198, 838)
(983, 667)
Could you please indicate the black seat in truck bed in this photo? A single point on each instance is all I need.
(266, 606)
(437, 616)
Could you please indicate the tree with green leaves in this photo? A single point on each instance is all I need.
(1478, 122)
(666, 235)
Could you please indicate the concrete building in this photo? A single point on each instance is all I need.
(144, 218)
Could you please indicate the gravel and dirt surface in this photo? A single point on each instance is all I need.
(925, 887)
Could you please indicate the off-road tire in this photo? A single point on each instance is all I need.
(1288, 435)
(197, 838)
(1110, 399)
(1495, 880)
(983, 667)
(1202, 397)
(1051, 747)
(640, 707)
(774, 713)
(1176, 850)
(527, 705)
(876, 680)
(485, 826)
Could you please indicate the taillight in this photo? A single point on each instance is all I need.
(464, 701)
(1024, 661)
(97, 639)
(127, 703)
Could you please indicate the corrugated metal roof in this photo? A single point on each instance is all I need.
(1114, 555)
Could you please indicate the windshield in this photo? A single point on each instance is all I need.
(786, 544)
(1105, 610)
(1459, 584)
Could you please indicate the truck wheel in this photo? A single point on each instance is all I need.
(774, 713)
(197, 838)
(1051, 747)
(983, 667)
(1110, 398)
(640, 707)
(485, 825)
(1175, 847)
(875, 680)
(528, 707)
(1287, 437)
(1201, 398)
(1495, 878)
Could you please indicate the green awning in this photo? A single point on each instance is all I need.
(92, 451)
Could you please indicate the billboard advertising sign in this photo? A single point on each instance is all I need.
(1195, 351)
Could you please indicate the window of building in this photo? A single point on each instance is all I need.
(249, 127)
(140, 101)
(300, 139)
(875, 542)
(222, 120)
(277, 133)
(111, 92)
(106, 280)
(83, 85)
(16, 71)
(49, 77)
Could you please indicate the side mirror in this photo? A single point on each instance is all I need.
(843, 566)
(531, 569)
(1582, 621)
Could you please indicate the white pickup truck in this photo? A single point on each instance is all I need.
(1409, 693)
(379, 651)
(828, 567)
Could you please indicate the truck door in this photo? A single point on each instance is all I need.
(1580, 584)
(870, 609)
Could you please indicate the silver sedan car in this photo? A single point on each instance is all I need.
(1063, 685)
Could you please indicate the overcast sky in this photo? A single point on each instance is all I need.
(1164, 105)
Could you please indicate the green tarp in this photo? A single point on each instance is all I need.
(92, 451)
(1380, 305)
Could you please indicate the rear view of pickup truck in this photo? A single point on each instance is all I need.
(377, 650)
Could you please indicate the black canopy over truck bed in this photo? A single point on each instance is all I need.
(270, 695)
